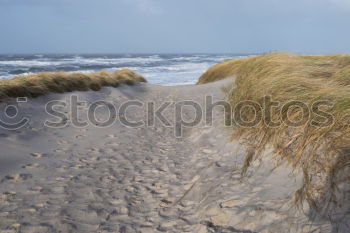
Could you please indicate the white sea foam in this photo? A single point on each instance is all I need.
(24, 63)
(78, 60)
(109, 61)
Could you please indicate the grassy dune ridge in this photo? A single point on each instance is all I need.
(59, 82)
(322, 154)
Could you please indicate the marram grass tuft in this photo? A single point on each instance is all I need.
(59, 82)
(322, 154)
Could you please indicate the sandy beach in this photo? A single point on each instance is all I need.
(142, 179)
(151, 116)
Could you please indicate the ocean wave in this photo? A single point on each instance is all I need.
(162, 69)
(30, 63)
(17, 72)
(110, 61)
(78, 60)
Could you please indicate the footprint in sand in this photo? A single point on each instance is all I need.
(78, 166)
(58, 151)
(111, 144)
(37, 155)
(93, 149)
(208, 151)
(7, 195)
(18, 177)
(30, 166)
(83, 130)
(4, 135)
(63, 142)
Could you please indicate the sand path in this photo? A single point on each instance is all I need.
(144, 179)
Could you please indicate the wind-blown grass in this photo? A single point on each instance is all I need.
(59, 82)
(322, 154)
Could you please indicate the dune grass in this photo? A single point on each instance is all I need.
(320, 151)
(221, 71)
(59, 82)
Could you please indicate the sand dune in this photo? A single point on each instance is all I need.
(144, 179)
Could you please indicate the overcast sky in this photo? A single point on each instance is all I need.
(174, 26)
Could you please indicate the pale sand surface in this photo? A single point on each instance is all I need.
(121, 179)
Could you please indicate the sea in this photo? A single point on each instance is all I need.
(160, 69)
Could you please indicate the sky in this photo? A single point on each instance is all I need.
(174, 26)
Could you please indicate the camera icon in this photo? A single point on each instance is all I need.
(10, 119)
